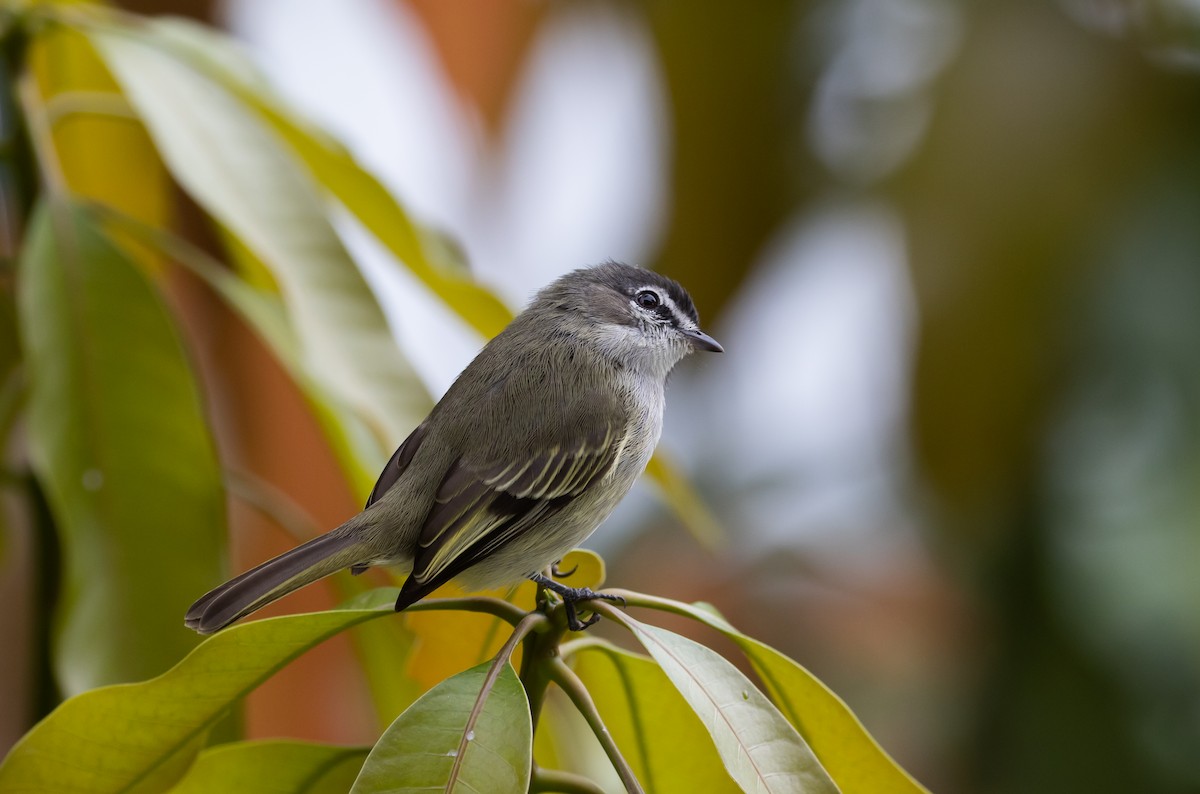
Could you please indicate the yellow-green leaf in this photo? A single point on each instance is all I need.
(237, 169)
(658, 733)
(338, 173)
(852, 757)
(760, 749)
(273, 767)
(142, 737)
(101, 155)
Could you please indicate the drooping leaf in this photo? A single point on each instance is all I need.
(657, 731)
(141, 737)
(852, 757)
(760, 749)
(431, 746)
(380, 647)
(273, 767)
(264, 313)
(235, 167)
(339, 173)
(118, 439)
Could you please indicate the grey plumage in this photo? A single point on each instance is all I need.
(528, 452)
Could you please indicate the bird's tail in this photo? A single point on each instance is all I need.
(276, 578)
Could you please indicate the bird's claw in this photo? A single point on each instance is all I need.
(575, 595)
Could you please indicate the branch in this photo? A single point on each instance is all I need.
(485, 604)
(635, 599)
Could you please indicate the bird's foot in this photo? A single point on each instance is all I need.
(574, 595)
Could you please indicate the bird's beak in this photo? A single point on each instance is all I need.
(702, 341)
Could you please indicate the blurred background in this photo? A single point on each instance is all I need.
(952, 251)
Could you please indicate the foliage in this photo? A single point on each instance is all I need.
(143, 737)
(119, 441)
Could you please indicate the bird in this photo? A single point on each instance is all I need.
(526, 454)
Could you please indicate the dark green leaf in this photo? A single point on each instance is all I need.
(430, 746)
(119, 440)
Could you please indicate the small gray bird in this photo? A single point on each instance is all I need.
(528, 452)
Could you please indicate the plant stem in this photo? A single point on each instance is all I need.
(635, 599)
(569, 683)
(540, 650)
(485, 604)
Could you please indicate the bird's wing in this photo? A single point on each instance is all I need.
(482, 507)
(396, 465)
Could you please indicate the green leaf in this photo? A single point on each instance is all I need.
(421, 250)
(761, 751)
(852, 757)
(118, 439)
(658, 733)
(273, 767)
(141, 737)
(430, 745)
(264, 313)
(235, 167)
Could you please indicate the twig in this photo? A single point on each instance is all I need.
(485, 604)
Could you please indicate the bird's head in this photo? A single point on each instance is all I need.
(634, 316)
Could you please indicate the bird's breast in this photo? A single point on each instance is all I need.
(645, 401)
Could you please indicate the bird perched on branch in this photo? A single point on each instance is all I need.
(528, 452)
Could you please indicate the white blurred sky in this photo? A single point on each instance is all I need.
(809, 398)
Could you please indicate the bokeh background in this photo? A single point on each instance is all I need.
(953, 252)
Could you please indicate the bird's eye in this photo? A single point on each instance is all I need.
(647, 299)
